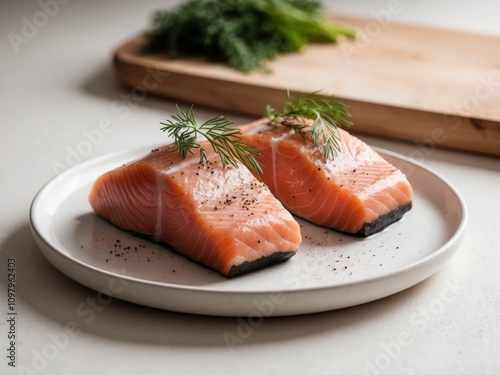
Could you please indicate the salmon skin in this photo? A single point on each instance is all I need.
(223, 218)
(358, 192)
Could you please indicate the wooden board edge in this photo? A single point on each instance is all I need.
(427, 129)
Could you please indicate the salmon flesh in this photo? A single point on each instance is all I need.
(356, 192)
(223, 218)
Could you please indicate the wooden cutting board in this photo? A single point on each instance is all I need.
(429, 86)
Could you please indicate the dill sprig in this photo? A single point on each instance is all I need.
(326, 115)
(225, 141)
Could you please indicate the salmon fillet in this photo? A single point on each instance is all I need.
(358, 192)
(223, 218)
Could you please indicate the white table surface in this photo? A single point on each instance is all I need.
(56, 83)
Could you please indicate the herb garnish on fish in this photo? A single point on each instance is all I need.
(297, 113)
(226, 141)
(326, 115)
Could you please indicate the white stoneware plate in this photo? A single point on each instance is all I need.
(330, 270)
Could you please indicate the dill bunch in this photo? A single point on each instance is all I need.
(242, 33)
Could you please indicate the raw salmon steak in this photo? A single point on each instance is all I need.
(223, 218)
(357, 192)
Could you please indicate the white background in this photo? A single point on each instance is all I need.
(58, 84)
